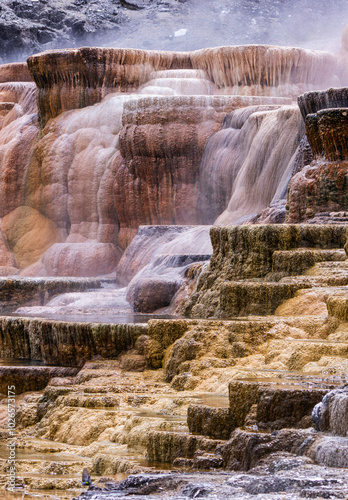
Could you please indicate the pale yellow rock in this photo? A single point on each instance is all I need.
(305, 302)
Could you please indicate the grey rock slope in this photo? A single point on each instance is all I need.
(30, 26)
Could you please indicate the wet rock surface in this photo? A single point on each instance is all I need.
(275, 405)
(137, 153)
(155, 397)
(65, 343)
(250, 250)
(331, 414)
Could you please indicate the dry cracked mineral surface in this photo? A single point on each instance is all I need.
(173, 250)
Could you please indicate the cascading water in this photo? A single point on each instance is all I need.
(256, 162)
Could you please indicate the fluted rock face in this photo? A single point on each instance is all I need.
(161, 145)
(322, 186)
(333, 129)
(65, 343)
(325, 124)
(312, 102)
(73, 163)
(266, 70)
(70, 79)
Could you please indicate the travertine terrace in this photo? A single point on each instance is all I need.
(192, 185)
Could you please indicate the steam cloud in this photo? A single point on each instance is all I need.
(196, 24)
(191, 24)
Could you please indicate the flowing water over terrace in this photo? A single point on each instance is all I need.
(144, 330)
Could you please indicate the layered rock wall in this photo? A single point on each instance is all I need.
(63, 343)
(322, 186)
(161, 145)
(72, 79)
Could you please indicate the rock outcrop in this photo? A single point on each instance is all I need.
(331, 414)
(92, 73)
(322, 186)
(161, 145)
(65, 343)
(246, 253)
(31, 378)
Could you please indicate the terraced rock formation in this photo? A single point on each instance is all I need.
(203, 394)
(109, 140)
(154, 138)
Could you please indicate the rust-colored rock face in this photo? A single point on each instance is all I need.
(322, 186)
(71, 79)
(119, 139)
(319, 187)
(24, 226)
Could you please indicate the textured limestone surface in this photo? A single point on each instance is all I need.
(163, 394)
(121, 128)
(246, 253)
(91, 73)
(135, 131)
(65, 343)
(31, 378)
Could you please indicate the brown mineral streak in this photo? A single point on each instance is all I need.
(70, 79)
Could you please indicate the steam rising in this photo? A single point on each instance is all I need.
(207, 23)
(174, 24)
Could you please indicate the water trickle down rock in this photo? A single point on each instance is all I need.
(248, 163)
(332, 413)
